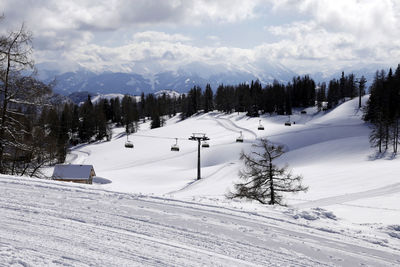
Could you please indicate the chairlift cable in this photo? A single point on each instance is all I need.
(158, 137)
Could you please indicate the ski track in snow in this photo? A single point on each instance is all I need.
(230, 125)
(223, 122)
(383, 191)
(50, 223)
(78, 155)
(195, 182)
(153, 160)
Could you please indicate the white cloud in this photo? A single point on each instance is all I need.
(336, 33)
(318, 34)
(108, 15)
(71, 25)
(152, 52)
(154, 36)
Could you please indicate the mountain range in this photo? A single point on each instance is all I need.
(180, 80)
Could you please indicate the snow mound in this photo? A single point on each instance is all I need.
(314, 214)
(394, 231)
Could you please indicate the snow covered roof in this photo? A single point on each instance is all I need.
(72, 171)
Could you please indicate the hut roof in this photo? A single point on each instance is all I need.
(72, 171)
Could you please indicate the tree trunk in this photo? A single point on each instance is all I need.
(395, 136)
(4, 110)
(271, 183)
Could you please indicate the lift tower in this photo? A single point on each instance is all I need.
(198, 137)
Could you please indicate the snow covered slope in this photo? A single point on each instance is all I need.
(331, 150)
(147, 208)
(46, 223)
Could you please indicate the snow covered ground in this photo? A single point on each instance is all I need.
(331, 150)
(51, 223)
(146, 208)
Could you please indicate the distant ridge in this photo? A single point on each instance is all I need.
(180, 80)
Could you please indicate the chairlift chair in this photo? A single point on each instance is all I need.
(175, 146)
(260, 126)
(240, 138)
(128, 144)
(205, 144)
(288, 123)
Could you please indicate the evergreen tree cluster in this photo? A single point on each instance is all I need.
(272, 98)
(346, 87)
(383, 110)
(196, 100)
(92, 121)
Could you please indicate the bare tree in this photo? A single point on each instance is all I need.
(263, 180)
(17, 92)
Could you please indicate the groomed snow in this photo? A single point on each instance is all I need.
(46, 223)
(146, 207)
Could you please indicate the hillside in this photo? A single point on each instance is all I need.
(330, 150)
(146, 208)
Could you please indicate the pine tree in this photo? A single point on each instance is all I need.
(321, 96)
(115, 105)
(361, 89)
(333, 93)
(155, 120)
(100, 121)
(208, 99)
(87, 122)
(288, 99)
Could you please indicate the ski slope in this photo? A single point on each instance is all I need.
(147, 208)
(46, 223)
(331, 150)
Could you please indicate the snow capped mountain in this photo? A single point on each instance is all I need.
(358, 70)
(170, 93)
(180, 80)
(97, 98)
(124, 83)
(184, 78)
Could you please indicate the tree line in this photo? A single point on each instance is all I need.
(383, 110)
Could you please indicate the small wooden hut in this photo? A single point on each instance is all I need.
(74, 173)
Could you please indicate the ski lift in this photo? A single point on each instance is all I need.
(240, 138)
(288, 123)
(205, 143)
(128, 144)
(260, 126)
(175, 146)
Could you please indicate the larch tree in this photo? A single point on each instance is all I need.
(262, 179)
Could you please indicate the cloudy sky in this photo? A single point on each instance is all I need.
(152, 35)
